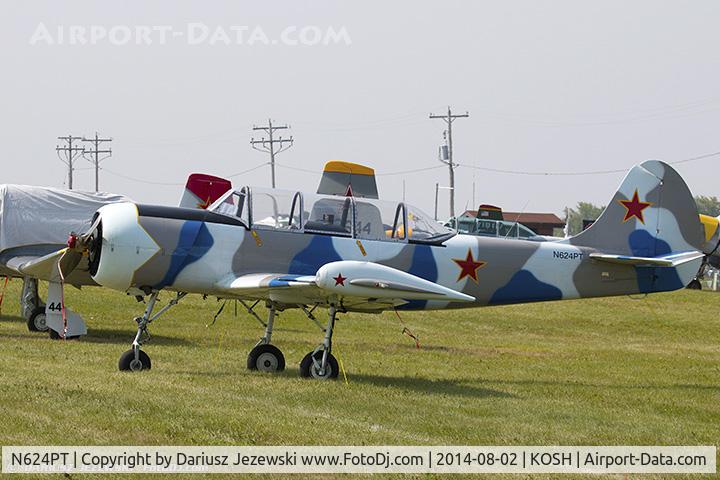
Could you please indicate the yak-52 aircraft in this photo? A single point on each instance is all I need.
(299, 250)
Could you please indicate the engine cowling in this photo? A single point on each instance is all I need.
(119, 246)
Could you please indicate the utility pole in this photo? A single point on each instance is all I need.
(437, 189)
(268, 146)
(96, 152)
(449, 119)
(71, 153)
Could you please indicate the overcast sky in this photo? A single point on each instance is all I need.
(553, 86)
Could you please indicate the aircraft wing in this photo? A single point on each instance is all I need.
(364, 285)
(264, 282)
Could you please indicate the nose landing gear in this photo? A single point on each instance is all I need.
(135, 360)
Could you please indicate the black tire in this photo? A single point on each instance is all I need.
(266, 358)
(127, 362)
(695, 284)
(56, 336)
(37, 320)
(308, 370)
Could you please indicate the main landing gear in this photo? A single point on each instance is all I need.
(266, 357)
(135, 360)
(32, 307)
(319, 364)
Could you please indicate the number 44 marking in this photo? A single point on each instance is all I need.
(55, 307)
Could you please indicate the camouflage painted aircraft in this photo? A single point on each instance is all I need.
(348, 254)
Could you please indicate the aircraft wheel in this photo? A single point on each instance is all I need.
(128, 363)
(266, 358)
(56, 336)
(309, 370)
(695, 285)
(37, 321)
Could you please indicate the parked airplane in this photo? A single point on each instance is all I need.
(711, 249)
(35, 221)
(490, 222)
(296, 250)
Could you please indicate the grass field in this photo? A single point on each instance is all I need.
(618, 371)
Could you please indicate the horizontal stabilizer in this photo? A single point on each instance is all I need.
(674, 260)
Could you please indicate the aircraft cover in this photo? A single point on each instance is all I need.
(32, 215)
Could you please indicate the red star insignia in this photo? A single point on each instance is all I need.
(340, 280)
(468, 267)
(634, 208)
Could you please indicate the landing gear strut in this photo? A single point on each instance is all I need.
(320, 363)
(135, 360)
(266, 357)
(32, 307)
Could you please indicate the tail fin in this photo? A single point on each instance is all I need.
(348, 180)
(202, 190)
(652, 214)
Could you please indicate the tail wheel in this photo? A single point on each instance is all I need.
(56, 336)
(309, 369)
(38, 320)
(266, 358)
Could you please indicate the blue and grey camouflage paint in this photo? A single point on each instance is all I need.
(652, 216)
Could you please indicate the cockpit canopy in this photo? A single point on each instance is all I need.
(364, 218)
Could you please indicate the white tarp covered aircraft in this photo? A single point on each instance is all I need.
(36, 221)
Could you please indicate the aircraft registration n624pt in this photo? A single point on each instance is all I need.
(298, 250)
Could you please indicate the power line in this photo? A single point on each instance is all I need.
(297, 169)
(71, 153)
(171, 184)
(400, 172)
(424, 169)
(140, 180)
(593, 172)
(97, 152)
(699, 157)
(549, 174)
(248, 170)
(414, 170)
(268, 146)
(449, 119)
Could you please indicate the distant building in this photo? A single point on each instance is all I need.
(540, 223)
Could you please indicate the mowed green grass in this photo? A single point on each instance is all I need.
(618, 371)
